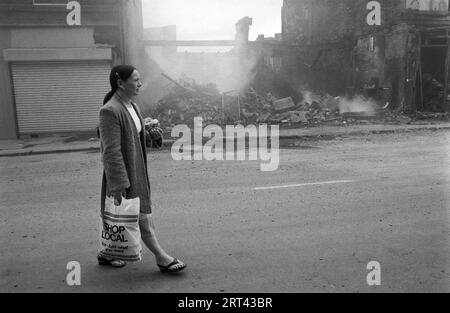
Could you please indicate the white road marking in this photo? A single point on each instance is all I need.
(305, 184)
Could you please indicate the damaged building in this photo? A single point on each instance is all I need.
(401, 60)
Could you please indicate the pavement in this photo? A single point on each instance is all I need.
(80, 143)
(314, 225)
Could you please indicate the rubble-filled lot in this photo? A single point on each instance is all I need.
(187, 100)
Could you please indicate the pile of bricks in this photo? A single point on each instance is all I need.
(188, 100)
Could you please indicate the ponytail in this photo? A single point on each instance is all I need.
(108, 96)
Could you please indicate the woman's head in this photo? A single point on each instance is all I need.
(124, 78)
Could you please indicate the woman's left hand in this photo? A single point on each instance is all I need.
(117, 195)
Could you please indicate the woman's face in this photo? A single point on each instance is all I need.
(132, 85)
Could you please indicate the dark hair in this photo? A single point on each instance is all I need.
(122, 72)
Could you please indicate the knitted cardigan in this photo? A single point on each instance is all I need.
(124, 155)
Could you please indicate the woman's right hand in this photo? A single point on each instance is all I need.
(117, 195)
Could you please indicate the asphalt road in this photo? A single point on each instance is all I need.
(388, 202)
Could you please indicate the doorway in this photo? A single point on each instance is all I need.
(433, 79)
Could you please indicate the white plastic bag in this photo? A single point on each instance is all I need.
(120, 237)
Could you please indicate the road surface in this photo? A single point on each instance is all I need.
(312, 226)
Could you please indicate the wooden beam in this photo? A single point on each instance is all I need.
(188, 43)
(222, 43)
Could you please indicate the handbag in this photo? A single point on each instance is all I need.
(120, 237)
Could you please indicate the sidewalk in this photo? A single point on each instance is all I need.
(67, 143)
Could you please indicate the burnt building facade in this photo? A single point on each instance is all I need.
(396, 51)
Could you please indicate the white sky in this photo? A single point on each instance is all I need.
(213, 19)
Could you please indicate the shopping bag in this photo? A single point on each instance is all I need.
(120, 237)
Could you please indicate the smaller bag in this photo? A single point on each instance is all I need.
(120, 237)
(154, 137)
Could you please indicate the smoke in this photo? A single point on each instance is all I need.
(310, 97)
(357, 104)
(236, 72)
(230, 70)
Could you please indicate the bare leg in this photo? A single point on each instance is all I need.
(148, 236)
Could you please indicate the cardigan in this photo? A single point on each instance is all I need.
(124, 155)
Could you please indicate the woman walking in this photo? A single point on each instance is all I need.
(122, 138)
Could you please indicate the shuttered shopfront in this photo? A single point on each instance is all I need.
(62, 96)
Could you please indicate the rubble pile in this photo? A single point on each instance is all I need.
(268, 109)
(315, 109)
(433, 116)
(188, 100)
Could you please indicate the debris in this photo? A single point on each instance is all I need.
(404, 119)
(360, 115)
(263, 118)
(298, 116)
(188, 100)
(279, 118)
(283, 104)
(432, 115)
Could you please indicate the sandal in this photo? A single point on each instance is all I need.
(112, 263)
(168, 269)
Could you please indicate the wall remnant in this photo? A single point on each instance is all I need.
(344, 55)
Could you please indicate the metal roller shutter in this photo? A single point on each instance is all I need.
(59, 96)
